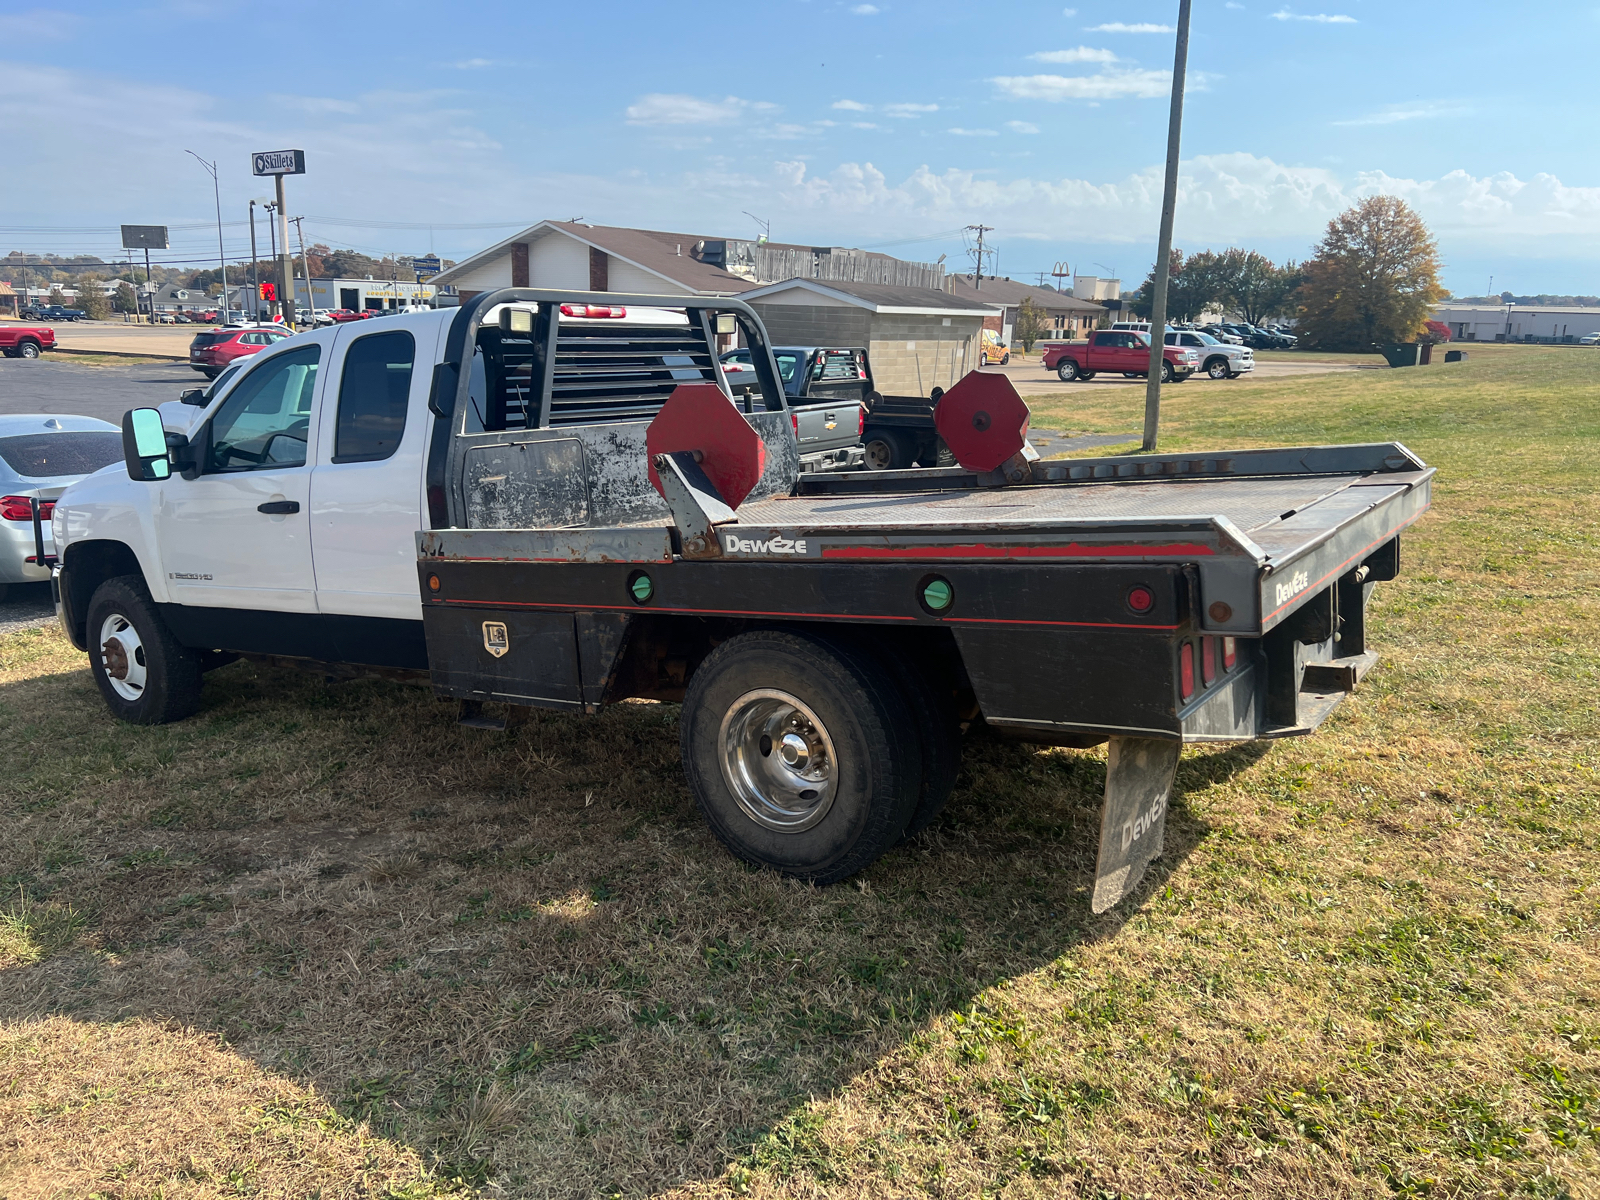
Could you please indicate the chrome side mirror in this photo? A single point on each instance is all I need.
(144, 445)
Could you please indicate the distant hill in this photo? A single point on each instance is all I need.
(1542, 300)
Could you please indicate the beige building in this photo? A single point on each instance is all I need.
(916, 338)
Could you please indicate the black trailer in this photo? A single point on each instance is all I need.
(829, 635)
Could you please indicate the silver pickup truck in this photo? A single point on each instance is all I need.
(825, 390)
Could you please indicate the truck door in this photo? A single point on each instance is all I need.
(237, 535)
(366, 487)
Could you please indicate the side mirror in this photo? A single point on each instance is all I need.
(144, 445)
(195, 396)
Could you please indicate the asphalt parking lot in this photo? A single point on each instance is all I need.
(54, 385)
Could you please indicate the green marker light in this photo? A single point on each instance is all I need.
(938, 595)
(642, 588)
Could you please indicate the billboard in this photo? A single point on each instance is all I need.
(144, 237)
(278, 162)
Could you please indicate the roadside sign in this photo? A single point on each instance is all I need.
(426, 266)
(144, 237)
(279, 162)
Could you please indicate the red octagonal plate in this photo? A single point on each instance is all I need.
(697, 416)
(982, 420)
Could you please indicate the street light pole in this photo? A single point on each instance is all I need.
(1169, 202)
(222, 258)
(255, 278)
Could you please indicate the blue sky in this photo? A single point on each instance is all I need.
(881, 124)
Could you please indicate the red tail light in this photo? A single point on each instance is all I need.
(1186, 670)
(794, 419)
(1230, 648)
(861, 422)
(20, 508)
(1208, 660)
(593, 310)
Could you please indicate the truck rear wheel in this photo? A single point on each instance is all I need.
(1066, 370)
(938, 725)
(28, 349)
(145, 675)
(889, 450)
(802, 756)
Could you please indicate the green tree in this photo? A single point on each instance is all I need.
(125, 301)
(1029, 326)
(57, 296)
(1260, 289)
(96, 304)
(1373, 278)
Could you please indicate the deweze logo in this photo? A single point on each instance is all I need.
(1288, 591)
(1143, 823)
(732, 543)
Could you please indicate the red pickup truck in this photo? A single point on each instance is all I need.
(1125, 351)
(26, 341)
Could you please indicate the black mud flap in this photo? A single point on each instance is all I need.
(1133, 821)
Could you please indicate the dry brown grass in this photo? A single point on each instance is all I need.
(518, 962)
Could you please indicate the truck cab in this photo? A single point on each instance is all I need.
(1126, 351)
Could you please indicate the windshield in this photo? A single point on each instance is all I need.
(1207, 340)
(42, 455)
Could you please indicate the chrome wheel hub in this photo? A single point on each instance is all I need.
(778, 760)
(122, 656)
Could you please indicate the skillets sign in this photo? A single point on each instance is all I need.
(279, 162)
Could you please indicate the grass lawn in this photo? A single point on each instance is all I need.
(319, 939)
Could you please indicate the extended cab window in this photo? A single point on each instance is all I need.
(265, 421)
(373, 391)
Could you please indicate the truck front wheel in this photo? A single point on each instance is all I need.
(1217, 368)
(145, 675)
(1067, 370)
(1166, 372)
(802, 755)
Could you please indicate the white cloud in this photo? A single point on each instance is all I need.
(473, 64)
(39, 24)
(1109, 85)
(1231, 4)
(1121, 27)
(852, 106)
(974, 132)
(864, 125)
(1395, 114)
(865, 10)
(1283, 14)
(669, 108)
(1069, 12)
(1022, 127)
(909, 110)
(1079, 54)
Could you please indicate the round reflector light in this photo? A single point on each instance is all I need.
(1141, 599)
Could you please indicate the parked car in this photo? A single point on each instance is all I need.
(210, 352)
(1222, 333)
(825, 389)
(1589, 339)
(26, 341)
(1217, 359)
(994, 352)
(1123, 350)
(40, 455)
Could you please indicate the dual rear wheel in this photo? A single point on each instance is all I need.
(812, 755)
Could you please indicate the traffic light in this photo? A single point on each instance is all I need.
(269, 291)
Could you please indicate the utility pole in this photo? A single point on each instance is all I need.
(977, 254)
(255, 277)
(1169, 203)
(306, 264)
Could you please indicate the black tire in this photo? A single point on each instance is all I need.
(1217, 368)
(889, 450)
(1130, 375)
(170, 689)
(1234, 374)
(1067, 370)
(28, 349)
(5, 590)
(873, 775)
(1166, 371)
(1085, 376)
(211, 372)
(931, 701)
(1005, 360)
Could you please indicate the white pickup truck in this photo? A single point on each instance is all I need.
(556, 499)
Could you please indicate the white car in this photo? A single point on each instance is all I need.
(1589, 339)
(1218, 359)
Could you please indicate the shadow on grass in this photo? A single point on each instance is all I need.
(521, 952)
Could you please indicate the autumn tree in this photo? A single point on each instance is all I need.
(96, 304)
(1259, 288)
(1373, 278)
(1029, 326)
(124, 300)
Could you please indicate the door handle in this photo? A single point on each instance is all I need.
(278, 508)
